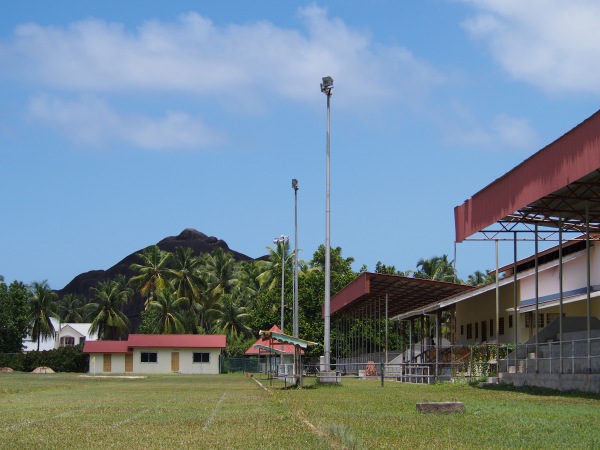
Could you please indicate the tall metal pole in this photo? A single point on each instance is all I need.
(296, 319)
(281, 240)
(282, 285)
(326, 87)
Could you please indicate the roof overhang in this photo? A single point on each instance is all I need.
(403, 293)
(286, 339)
(557, 187)
(266, 349)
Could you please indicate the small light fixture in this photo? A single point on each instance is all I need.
(327, 85)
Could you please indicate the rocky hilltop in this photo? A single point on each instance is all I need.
(197, 241)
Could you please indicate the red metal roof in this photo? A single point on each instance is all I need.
(551, 186)
(106, 347)
(404, 293)
(157, 341)
(177, 340)
(286, 348)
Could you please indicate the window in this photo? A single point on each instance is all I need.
(510, 321)
(202, 357)
(469, 331)
(67, 341)
(501, 326)
(476, 330)
(541, 320)
(491, 327)
(462, 330)
(149, 357)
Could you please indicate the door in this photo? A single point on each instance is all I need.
(107, 362)
(128, 362)
(483, 330)
(174, 361)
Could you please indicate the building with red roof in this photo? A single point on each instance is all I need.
(157, 353)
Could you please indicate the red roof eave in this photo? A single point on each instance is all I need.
(569, 158)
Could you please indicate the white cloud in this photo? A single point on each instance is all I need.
(92, 122)
(503, 132)
(219, 68)
(193, 55)
(552, 44)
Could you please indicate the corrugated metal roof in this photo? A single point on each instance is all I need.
(106, 347)
(157, 341)
(255, 349)
(550, 188)
(404, 293)
(177, 340)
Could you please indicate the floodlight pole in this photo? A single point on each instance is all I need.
(296, 319)
(326, 88)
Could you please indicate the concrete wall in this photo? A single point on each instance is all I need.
(186, 364)
(483, 308)
(561, 382)
(97, 363)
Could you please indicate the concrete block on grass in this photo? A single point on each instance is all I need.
(440, 407)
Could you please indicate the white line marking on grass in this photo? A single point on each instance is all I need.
(213, 413)
(138, 415)
(26, 423)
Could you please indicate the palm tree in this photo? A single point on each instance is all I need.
(151, 271)
(167, 305)
(109, 296)
(478, 278)
(270, 276)
(42, 308)
(437, 268)
(232, 313)
(184, 274)
(70, 308)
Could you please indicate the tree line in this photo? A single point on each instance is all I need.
(207, 294)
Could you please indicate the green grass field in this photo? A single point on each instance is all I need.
(233, 411)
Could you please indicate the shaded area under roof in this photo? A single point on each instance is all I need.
(404, 294)
(551, 188)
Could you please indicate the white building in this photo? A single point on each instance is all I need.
(157, 353)
(66, 335)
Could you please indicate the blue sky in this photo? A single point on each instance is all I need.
(122, 123)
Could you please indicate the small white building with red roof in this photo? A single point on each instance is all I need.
(157, 353)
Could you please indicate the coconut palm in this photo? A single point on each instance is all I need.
(167, 306)
(270, 276)
(478, 278)
(232, 313)
(437, 268)
(42, 307)
(71, 308)
(184, 274)
(108, 319)
(151, 271)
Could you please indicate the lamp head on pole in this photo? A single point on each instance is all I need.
(294, 184)
(281, 239)
(327, 85)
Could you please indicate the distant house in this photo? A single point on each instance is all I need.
(157, 353)
(66, 335)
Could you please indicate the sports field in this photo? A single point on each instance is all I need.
(234, 411)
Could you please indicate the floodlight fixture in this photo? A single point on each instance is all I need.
(327, 85)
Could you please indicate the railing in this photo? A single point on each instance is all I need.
(577, 356)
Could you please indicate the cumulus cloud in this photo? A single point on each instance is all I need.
(91, 121)
(246, 65)
(192, 55)
(552, 44)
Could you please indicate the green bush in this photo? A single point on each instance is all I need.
(64, 359)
